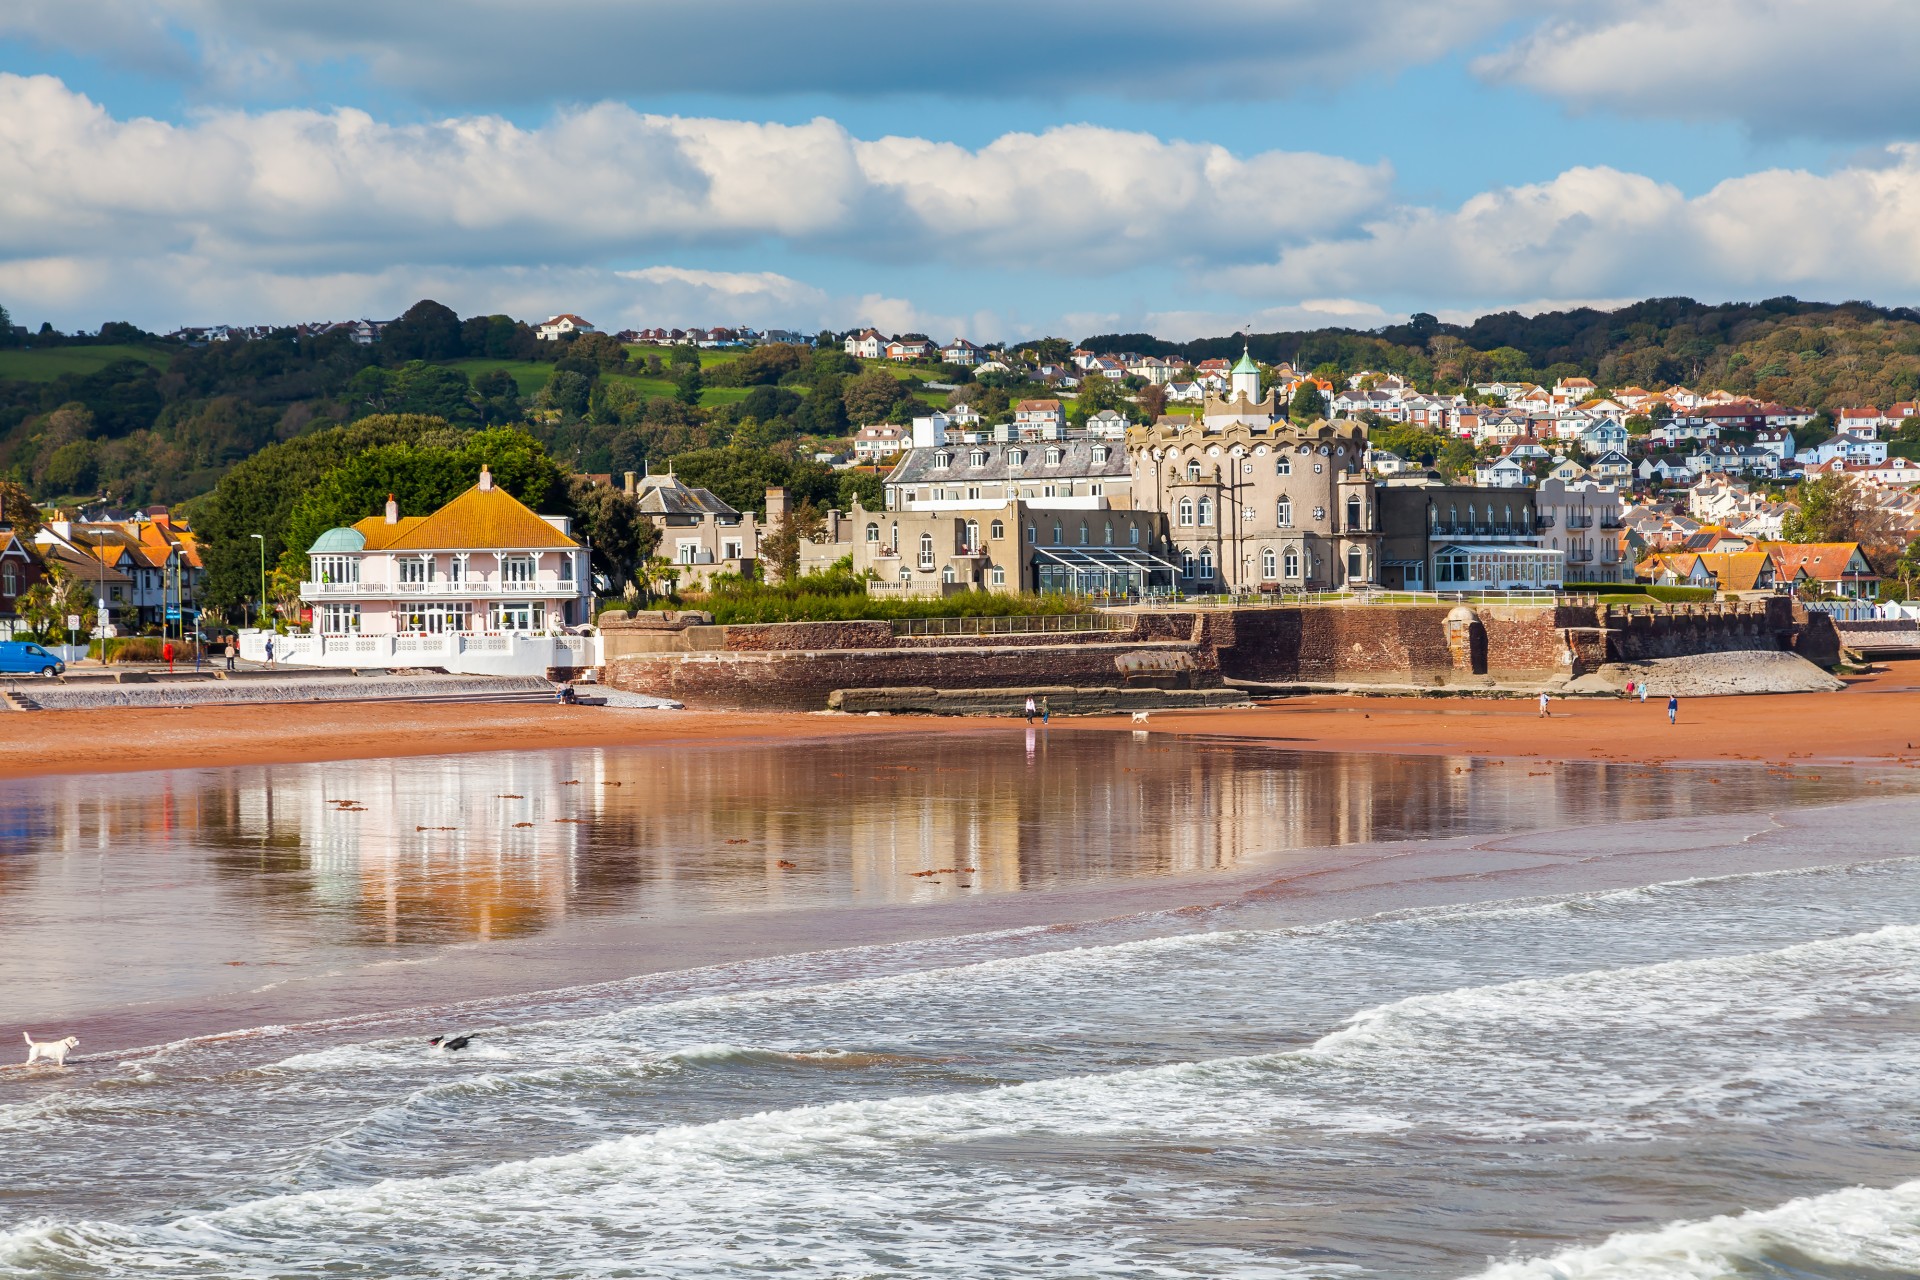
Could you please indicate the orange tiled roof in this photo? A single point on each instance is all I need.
(1826, 561)
(481, 519)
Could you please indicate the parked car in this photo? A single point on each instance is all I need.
(24, 658)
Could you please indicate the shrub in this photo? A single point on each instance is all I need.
(140, 649)
(837, 595)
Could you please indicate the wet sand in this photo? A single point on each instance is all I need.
(1873, 720)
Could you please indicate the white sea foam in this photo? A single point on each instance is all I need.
(847, 1185)
(1842, 1232)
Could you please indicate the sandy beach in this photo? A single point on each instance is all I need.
(1873, 719)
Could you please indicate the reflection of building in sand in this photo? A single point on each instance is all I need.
(488, 846)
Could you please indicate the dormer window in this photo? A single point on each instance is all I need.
(942, 460)
(1053, 457)
(1099, 453)
(1017, 457)
(978, 458)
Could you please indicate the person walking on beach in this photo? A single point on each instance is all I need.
(232, 653)
(269, 653)
(1045, 713)
(1643, 693)
(1673, 708)
(166, 651)
(1543, 704)
(1030, 708)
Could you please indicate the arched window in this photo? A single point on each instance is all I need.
(1509, 515)
(1353, 512)
(1283, 465)
(1206, 511)
(1133, 535)
(1056, 535)
(873, 533)
(998, 576)
(1292, 562)
(926, 551)
(1033, 535)
(997, 529)
(1206, 562)
(1186, 564)
(1083, 533)
(947, 575)
(1356, 565)
(1186, 512)
(1193, 468)
(1471, 513)
(973, 535)
(1109, 533)
(1283, 513)
(1269, 564)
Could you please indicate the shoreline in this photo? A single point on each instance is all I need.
(1873, 720)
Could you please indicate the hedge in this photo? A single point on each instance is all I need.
(140, 649)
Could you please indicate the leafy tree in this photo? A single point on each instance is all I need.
(1307, 404)
(683, 354)
(1828, 508)
(1153, 402)
(259, 494)
(862, 488)
(18, 509)
(620, 537)
(1098, 392)
(781, 548)
(1639, 424)
(427, 331)
(567, 391)
(1454, 459)
(689, 385)
(7, 336)
(761, 366)
(871, 397)
(422, 476)
(421, 388)
(71, 468)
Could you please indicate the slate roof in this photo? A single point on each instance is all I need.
(1076, 463)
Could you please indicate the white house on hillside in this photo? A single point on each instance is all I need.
(562, 325)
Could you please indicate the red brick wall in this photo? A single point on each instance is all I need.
(794, 681)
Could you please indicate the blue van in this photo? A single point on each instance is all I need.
(23, 658)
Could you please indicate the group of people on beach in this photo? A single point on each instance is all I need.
(1634, 688)
(1038, 709)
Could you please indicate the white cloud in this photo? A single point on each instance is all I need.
(330, 191)
(1601, 233)
(466, 51)
(1826, 67)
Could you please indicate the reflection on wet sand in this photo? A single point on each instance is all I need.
(476, 848)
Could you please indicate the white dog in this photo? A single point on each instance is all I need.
(1139, 717)
(54, 1051)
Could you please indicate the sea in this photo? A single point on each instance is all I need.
(1007, 1004)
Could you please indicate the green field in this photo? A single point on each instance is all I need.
(531, 375)
(44, 365)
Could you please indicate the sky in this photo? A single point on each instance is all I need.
(995, 170)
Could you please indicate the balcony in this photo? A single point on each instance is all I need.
(1579, 522)
(1480, 531)
(544, 586)
(1544, 522)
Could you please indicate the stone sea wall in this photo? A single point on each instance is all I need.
(798, 666)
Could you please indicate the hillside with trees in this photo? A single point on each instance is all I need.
(1824, 356)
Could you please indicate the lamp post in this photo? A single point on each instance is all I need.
(263, 577)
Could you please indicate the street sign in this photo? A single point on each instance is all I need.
(73, 622)
(173, 613)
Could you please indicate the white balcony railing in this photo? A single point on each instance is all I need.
(545, 586)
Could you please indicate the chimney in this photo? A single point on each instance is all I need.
(486, 479)
(776, 506)
(630, 479)
(393, 510)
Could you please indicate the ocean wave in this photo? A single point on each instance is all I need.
(1593, 1054)
(1840, 1234)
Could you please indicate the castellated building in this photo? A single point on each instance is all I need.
(1254, 503)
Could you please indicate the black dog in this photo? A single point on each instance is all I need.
(458, 1042)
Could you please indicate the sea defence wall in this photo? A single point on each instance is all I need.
(1441, 647)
